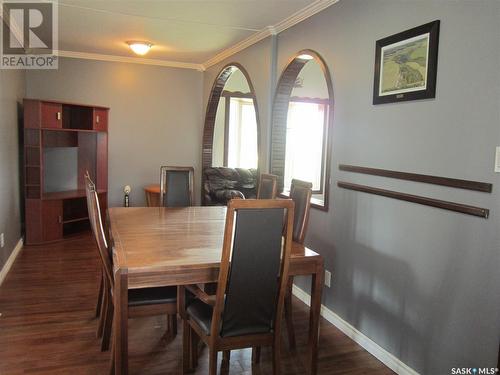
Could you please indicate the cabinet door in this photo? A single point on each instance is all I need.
(51, 115)
(52, 220)
(100, 119)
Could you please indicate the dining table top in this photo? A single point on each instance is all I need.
(159, 239)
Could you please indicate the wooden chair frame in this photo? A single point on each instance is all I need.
(163, 188)
(107, 306)
(192, 331)
(271, 178)
(296, 184)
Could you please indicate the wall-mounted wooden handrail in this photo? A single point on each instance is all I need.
(436, 180)
(446, 205)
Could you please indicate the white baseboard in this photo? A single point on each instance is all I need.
(370, 346)
(10, 261)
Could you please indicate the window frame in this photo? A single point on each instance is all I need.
(282, 98)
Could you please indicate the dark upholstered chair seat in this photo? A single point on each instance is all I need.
(152, 296)
(201, 313)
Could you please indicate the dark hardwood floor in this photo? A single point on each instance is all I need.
(47, 325)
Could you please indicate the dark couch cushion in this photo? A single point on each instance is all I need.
(221, 184)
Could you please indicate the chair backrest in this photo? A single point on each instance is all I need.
(254, 267)
(95, 218)
(268, 186)
(176, 186)
(301, 193)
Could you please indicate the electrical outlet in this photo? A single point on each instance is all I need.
(328, 278)
(2, 240)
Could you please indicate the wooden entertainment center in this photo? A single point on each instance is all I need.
(61, 142)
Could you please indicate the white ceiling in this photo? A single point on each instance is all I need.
(185, 31)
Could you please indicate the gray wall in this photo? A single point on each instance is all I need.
(11, 94)
(155, 117)
(419, 281)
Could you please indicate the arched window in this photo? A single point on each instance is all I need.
(231, 136)
(302, 126)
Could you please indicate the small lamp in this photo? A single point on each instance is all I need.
(126, 200)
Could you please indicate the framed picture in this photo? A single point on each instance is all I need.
(406, 65)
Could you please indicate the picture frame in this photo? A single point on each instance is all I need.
(406, 65)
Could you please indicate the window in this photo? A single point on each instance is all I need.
(305, 143)
(231, 134)
(302, 126)
(242, 134)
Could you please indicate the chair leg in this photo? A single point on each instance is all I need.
(276, 357)
(212, 361)
(226, 355)
(112, 364)
(256, 354)
(288, 314)
(104, 307)
(106, 334)
(98, 306)
(104, 311)
(174, 325)
(169, 324)
(194, 347)
(186, 343)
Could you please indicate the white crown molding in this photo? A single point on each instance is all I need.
(130, 60)
(303, 14)
(388, 359)
(240, 46)
(299, 16)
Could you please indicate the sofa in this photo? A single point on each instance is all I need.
(221, 184)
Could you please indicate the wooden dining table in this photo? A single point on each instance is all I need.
(159, 246)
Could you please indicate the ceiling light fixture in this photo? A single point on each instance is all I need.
(140, 48)
(305, 56)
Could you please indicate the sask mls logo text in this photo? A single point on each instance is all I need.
(474, 371)
(29, 35)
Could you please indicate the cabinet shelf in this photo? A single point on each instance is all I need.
(75, 220)
(73, 130)
(68, 194)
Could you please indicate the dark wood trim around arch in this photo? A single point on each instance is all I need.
(280, 114)
(210, 116)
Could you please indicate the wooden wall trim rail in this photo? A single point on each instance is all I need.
(436, 180)
(446, 205)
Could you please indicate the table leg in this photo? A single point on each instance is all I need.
(316, 293)
(121, 321)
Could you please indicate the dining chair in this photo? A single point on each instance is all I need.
(176, 186)
(142, 302)
(268, 186)
(247, 308)
(300, 193)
